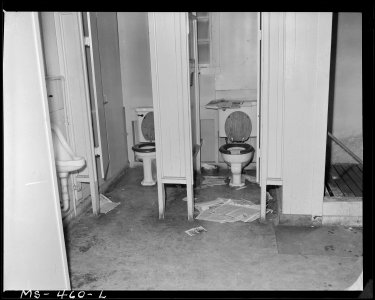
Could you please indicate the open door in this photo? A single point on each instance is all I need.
(194, 91)
(259, 95)
(96, 90)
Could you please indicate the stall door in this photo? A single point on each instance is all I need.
(97, 96)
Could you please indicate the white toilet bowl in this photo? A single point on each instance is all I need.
(146, 153)
(145, 149)
(236, 126)
(66, 161)
(237, 156)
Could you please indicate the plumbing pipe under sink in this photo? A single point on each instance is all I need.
(66, 161)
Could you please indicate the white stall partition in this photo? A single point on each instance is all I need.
(169, 52)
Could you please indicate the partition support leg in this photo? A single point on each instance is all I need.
(161, 199)
(190, 201)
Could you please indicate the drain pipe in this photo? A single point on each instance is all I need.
(65, 193)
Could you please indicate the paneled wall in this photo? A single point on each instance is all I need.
(308, 49)
(296, 49)
(171, 92)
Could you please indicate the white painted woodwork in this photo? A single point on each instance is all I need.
(295, 78)
(72, 59)
(34, 246)
(98, 99)
(272, 99)
(194, 90)
(258, 97)
(169, 52)
(307, 63)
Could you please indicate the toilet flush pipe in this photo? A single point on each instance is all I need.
(65, 193)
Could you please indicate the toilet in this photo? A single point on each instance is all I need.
(236, 126)
(145, 149)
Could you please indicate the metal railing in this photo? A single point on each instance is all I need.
(337, 141)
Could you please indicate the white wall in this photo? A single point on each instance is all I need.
(49, 41)
(34, 247)
(135, 67)
(237, 54)
(233, 73)
(347, 102)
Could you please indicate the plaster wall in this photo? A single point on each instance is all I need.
(232, 73)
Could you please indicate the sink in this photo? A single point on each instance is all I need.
(66, 162)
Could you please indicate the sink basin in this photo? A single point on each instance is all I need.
(67, 166)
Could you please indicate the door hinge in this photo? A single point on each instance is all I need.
(260, 35)
(87, 41)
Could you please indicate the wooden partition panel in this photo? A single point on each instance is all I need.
(295, 80)
(307, 64)
(171, 100)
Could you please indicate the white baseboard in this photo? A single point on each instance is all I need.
(343, 220)
(346, 212)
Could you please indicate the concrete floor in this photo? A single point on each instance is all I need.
(129, 248)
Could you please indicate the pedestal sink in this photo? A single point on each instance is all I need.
(66, 162)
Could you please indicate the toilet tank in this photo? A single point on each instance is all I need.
(141, 115)
(248, 107)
